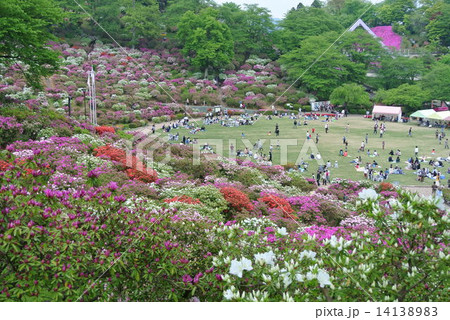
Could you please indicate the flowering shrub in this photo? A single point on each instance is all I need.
(137, 170)
(385, 186)
(236, 199)
(10, 130)
(102, 129)
(4, 165)
(184, 199)
(279, 203)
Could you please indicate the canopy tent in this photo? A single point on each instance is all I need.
(423, 113)
(445, 115)
(394, 112)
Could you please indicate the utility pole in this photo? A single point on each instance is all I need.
(84, 103)
(70, 111)
(92, 97)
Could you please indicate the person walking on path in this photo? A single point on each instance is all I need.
(446, 145)
(381, 133)
(410, 132)
(416, 151)
(433, 189)
(382, 145)
(367, 138)
(326, 127)
(317, 138)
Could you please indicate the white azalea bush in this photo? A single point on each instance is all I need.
(382, 261)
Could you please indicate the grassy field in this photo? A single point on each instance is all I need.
(396, 137)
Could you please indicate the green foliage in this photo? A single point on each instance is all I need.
(410, 96)
(437, 81)
(350, 95)
(250, 27)
(395, 71)
(140, 19)
(391, 11)
(321, 66)
(24, 32)
(206, 41)
(303, 23)
(438, 30)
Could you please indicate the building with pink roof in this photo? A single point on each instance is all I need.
(387, 36)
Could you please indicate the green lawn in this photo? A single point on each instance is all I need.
(329, 144)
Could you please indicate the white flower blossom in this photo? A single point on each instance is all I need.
(308, 255)
(368, 194)
(265, 258)
(237, 267)
(299, 277)
(228, 295)
(282, 231)
(323, 277)
(310, 276)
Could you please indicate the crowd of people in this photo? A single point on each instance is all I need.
(421, 166)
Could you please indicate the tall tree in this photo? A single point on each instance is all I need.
(303, 23)
(411, 96)
(438, 30)
(24, 31)
(437, 81)
(207, 42)
(250, 27)
(331, 69)
(317, 4)
(395, 71)
(140, 19)
(392, 11)
(350, 96)
(177, 8)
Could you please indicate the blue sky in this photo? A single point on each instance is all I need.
(278, 7)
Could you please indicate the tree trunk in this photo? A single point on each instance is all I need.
(206, 72)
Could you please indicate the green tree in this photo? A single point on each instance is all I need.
(251, 28)
(351, 96)
(321, 67)
(438, 30)
(392, 11)
(175, 10)
(303, 23)
(395, 71)
(410, 96)
(207, 42)
(24, 31)
(316, 4)
(437, 81)
(360, 47)
(140, 19)
(350, 10)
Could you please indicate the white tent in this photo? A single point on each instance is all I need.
(387, 111)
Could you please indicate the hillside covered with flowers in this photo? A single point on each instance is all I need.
(85, 218)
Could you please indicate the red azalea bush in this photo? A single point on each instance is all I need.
(184, 199)
(274, 202)
(135, 173)
(4, 165)
(236, 198)
(385, 186)
(102, 129)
